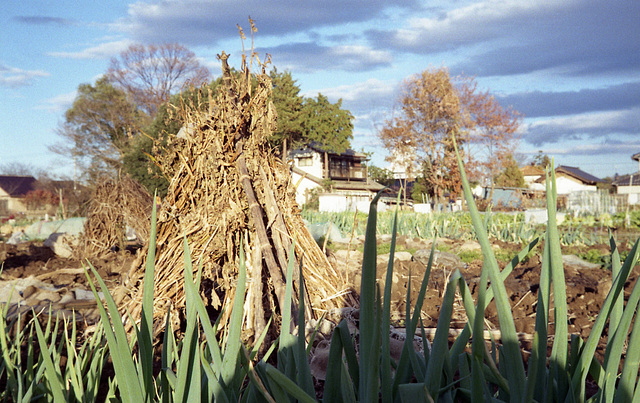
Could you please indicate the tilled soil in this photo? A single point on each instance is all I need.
(46, 281)
(586, 289)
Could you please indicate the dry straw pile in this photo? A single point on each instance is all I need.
(115, 205)
(227, 189)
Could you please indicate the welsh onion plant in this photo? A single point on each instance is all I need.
(39, 372)
(200, 367)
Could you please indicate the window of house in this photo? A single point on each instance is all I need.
(305, 161)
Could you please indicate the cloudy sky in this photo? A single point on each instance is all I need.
(572, 67)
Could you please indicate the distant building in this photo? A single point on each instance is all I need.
(570, 179)
(629, 184)
(13, 189)
(340, 179)
(531, 173)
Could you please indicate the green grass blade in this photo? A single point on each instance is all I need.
(513, 365)
(349, 353)
(580, 374)
(53, 377)
(304, 378)
(403, 374)
(369, 352)
(414, 393)
(166, 360)
(145, 336)
(286, 340)
(559, 351)
(478, 344)
(231, 358)
(616, 344)
(119, 350)
(629, 376)
(541, 381)
(461, 341)
(440, 347)
(188, 368)
(288, 385)
(335, 367)
(386, 380)
(616, 267)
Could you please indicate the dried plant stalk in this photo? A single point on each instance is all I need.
(115, 205)
(227, 188)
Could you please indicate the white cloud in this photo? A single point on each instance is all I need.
(604, 125)
(58, 103)
(520, 36)
(362, 91)
(596, 149)
(470, 24)
(102, 51)
(197, 22)
(13, 77)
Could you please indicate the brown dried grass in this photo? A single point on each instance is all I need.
(224, 177)
(116, 203)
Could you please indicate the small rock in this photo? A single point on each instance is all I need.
(446, 259)
(575, 261)
(402, 256)
(469, 246)
(87, 295)
(320, 360)
(50, 296)
(61, 244)
(66, 298)
(29, 291)
(604, 285)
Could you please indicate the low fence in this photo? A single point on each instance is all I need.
(595, 203)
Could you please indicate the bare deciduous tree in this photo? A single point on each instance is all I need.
(150, 74)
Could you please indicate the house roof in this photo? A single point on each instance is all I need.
(623, 180)
(636, 157)
(577, 173)
(314, 145)
(17, 186)
(531, 170)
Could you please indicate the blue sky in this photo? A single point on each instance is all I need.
(572, 67)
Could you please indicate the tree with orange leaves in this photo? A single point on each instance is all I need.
(433, 110)
(492, 130)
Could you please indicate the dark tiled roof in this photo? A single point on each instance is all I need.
(314, 145)
(17, 186)
(578, 174)
(623, 180)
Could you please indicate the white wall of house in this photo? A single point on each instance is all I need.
(304, 186)
(632, 192)
(530, 179)
(352, 201)
(566, 185)
(310, 162)
(10, 204)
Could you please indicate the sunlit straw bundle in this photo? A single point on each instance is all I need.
(228, 190)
